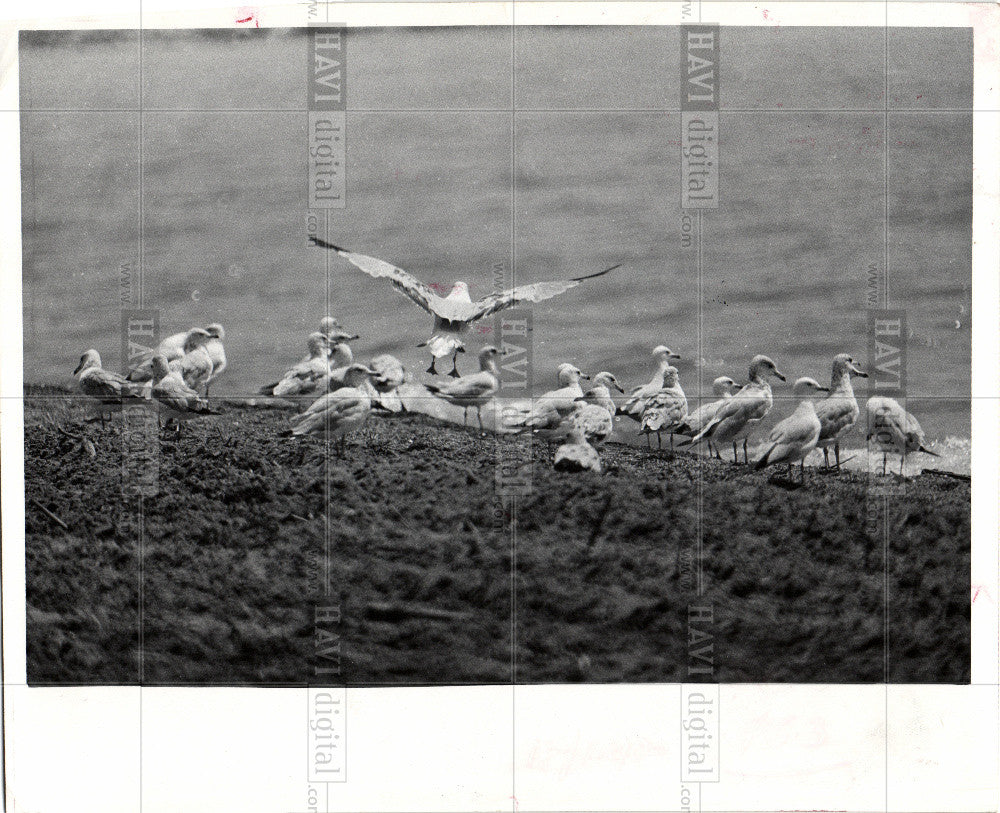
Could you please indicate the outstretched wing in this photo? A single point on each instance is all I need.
(535, 292)
(402, 281)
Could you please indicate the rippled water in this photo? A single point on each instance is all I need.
(222, 215)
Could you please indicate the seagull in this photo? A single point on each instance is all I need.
(795, 437)
(576, 454)
(750, 404)
(549, 410)
(665, 410)
(195, 366)
(389, 376)
(180, 401)
(109, 389)
(474, 390)
(216, 352)
(723, 388)
(636, 403)
(307, 376)
(171, 348)
(893, 429)
(838, 412)
(595, 410)
(454, 314)
(337, 413)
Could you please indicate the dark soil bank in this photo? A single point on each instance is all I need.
(830, 582)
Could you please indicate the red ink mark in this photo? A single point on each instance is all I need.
(780, 104)
(516, 803)
(484, 329)
(247, 15)
(920, 96)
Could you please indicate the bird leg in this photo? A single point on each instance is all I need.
(736, 455)
(902, 460)
(649, 443)
(826, 458)
(883, 464)
(746, 460)
(465, 417)
(479, 415)
(454, 366)
(671, 441)
(836, 451)
(802, 470)
(431, 369)
(659, 444)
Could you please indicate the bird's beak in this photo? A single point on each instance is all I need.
(779, 375)
(673, 356)
(585, 377)
(861, 373)
(823, 389)
(78, 368)
(620, 388)
(581, 398)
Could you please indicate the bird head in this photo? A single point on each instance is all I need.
(762, 366)
(89, 359)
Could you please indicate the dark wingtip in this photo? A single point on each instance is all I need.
(598, 274)
(324, 244)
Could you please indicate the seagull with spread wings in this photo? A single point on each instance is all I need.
(455, 313)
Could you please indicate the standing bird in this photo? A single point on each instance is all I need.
(723, 388)
(180, 401)
(195, 366)
(454, 314)
(750, 404)
(636, 403)
(576, 454)
(171, 348)
(595, 410)
(337, 413)
(109, 389)
(389, 376)
(216, 352)
(549, 409)
(307, 376)
(474, 390)
(838, 412)
(793, 438)
(893, 429)
(666, 410)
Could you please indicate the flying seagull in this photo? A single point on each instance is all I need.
(455, 313)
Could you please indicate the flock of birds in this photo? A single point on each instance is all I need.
(178, 373)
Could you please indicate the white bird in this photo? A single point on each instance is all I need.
(338, 413)
(723, 388)
(389, 376)
(171, 348)
(793, 438)
(636, 403)
(216, 352)
(180, 401)
(109, 389)
(665, 410)
(838, 412)
(195, 366)
(549, 409)
(576, 454)
(474, 390)
(748, 405)
(454, 314)
(892, 429)
(595, 410)
(307, 376)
